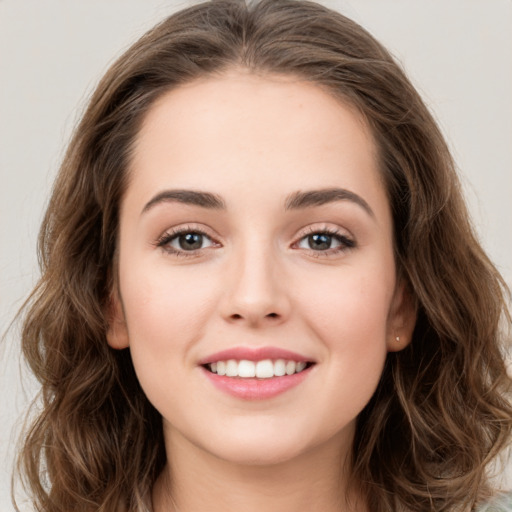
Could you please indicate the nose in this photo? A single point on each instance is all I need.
(257, 293)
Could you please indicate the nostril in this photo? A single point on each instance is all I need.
(238, 316)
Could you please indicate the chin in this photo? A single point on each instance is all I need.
(263, 447)
(256, 455)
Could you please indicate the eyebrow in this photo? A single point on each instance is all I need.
(193, 197)
(306, 199)
(296, 201)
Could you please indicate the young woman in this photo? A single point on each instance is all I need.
(260, 288)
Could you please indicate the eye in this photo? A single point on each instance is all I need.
(185, 241)
(326, 242)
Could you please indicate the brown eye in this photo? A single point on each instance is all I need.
(320, 241)
(190, 241)
(328, 242)
(184, 242)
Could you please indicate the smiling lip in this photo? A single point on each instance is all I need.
(254, 354)
(254, 388)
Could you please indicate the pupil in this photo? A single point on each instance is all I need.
(320, 241)
(191, 241)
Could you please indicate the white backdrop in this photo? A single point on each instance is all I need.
(52, 52)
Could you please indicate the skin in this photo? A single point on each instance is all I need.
(256, 281)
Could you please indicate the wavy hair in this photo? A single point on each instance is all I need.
(441, 411)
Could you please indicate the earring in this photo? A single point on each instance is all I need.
(397, 339)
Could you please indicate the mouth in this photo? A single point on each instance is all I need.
(260, 369)
(262, 373)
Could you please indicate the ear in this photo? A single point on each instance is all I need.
(402, 318)
(117, 332)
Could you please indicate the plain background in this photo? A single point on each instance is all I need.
(458, 53)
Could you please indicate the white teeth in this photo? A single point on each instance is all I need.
(221, 368)
(280, 368)
(246, 369)
(231, 368)
(264, 369)
(291, 366)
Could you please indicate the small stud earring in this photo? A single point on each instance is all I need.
(397, 339)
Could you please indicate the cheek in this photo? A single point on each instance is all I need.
(165, 310)
(166, 313)
(349, 315)
(349, 306)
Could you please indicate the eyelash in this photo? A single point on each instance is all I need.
(346, 243)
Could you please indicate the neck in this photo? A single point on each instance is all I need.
(194, 480)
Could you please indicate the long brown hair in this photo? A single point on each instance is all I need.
(441, 411)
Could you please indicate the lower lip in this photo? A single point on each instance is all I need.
(256, 389)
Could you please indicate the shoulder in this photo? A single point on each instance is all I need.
(501, 503)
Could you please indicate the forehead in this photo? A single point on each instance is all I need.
(247, 100)
(240, 128)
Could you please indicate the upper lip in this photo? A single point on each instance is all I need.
(254, 354)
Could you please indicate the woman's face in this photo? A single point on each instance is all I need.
(255, 234)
